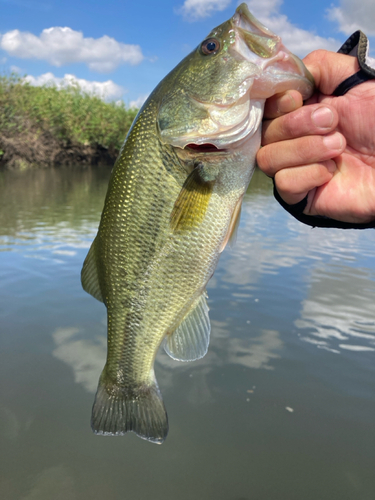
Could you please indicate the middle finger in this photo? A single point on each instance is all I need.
(300, 151)
(314, 119)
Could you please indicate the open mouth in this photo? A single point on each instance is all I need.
(204, 148)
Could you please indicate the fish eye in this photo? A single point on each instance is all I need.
(210, 46)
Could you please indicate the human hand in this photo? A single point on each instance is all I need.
(326, 148)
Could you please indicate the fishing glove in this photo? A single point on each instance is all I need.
(356, 45)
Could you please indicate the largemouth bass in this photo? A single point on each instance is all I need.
(173, 201)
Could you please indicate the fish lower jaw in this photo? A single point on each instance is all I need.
(229, 140)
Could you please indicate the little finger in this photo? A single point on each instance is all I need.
(293, 184)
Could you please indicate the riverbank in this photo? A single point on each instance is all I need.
(44, 127)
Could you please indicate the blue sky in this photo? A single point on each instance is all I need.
(123, 49)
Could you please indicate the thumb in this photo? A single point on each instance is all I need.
(329, 69)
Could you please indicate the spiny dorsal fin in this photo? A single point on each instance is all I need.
(192, 202)
(89, 275)
(191, 338)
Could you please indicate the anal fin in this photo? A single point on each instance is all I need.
(191, 338)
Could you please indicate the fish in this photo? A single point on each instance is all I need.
(173, 203)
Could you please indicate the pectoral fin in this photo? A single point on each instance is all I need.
(192, 202)
(191, 338)
(89, 275)
(233, 226)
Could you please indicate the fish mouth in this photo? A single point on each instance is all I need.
(268, 68)
(260, 39)
(230, 137)
(260, 46)
(204, 148)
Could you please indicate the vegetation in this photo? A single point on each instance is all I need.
(69, 114)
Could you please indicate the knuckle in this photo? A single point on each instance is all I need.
(264, 159)
(311, 150)
(282, 181)
(318, 174)
(297, 123)
(315, 58)
(305, 150)
(292, 124)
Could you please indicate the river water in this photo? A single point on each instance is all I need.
(281, 408)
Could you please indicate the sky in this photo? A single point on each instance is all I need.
(122, 49)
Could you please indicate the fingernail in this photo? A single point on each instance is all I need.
(331, 166)
(333, 141)
(322, 117)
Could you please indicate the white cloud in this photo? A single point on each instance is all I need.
(61, 46)
(265, 8)
(139, 101)
(86, 357)
(15, 69)
(352, 15)
(105, 90)
(297, 40)
(198, 9)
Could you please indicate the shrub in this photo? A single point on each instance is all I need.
(68, 113)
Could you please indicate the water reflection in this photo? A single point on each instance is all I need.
(11, 425)
(85, 357)
(269, 241)
(338, 312)
(284, 301)
(50, 213)
(55, 482)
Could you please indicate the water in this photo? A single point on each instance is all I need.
(282, 406)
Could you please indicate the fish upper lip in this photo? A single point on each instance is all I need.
(274, 51)
(245, 20)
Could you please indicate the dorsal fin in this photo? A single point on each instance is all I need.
(89, 275)
(191, 338)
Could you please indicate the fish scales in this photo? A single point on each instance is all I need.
(173, 202)
(130, 251)
(151, 302)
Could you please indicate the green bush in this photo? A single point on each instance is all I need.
(69, 113)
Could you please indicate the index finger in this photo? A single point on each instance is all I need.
(280, 104)
(329, 69)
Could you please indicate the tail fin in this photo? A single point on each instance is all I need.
(119, 409)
